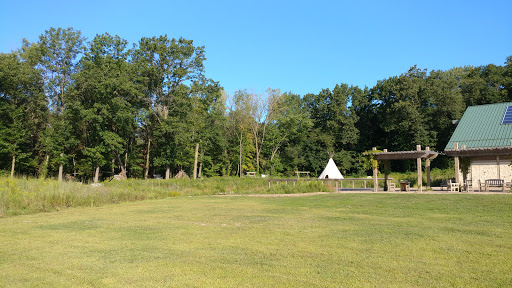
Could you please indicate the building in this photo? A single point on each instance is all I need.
(482, 143)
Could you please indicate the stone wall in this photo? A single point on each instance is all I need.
(487, 168)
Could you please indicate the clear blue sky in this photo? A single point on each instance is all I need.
(297, 46)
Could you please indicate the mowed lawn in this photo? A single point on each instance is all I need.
(333, 240)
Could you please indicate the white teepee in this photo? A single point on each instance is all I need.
(331, 171)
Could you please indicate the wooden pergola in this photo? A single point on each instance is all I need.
(418, 154)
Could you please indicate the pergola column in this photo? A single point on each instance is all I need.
(386, 169)
(457, 165)
(375, 170)
(499, 168)
(418, 165)
(427, 166)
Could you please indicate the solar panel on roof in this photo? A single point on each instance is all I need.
(507, 118)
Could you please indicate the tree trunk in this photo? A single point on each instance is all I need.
(200, 169)
(74, 167)
(257, 157)
(12, 166)
(44, 171)
(121, 165)
(167, 172)
(61, 168)
(126, 163)
(195, 161)
(146, 173)
(240, 166)
(97, 174)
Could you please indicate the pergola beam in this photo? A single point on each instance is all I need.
(406, 155)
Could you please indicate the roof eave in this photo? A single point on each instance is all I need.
(482, 151)
(404, 155)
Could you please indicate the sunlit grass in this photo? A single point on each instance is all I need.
(333, 240)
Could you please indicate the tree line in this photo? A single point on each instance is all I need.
(98, 108)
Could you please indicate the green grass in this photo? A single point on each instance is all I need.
(333, 240)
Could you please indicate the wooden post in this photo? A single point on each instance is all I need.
(457, 165)
(386, 168)
(464, 173)
(498, 163)
(427, 164)
(418, 165)
(375, 171)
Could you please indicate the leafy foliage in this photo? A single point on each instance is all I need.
(98, 108)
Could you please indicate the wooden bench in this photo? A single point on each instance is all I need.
(302, 172)
(495, 183)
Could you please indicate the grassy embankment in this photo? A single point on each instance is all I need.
(335, 240)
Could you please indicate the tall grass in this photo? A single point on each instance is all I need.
(27, 196)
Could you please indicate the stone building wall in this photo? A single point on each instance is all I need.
(487, 168)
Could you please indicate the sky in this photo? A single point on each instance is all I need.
(297, 46)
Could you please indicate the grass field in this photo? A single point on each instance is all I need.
(333, 240)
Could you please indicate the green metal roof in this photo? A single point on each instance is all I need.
(481, 127)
